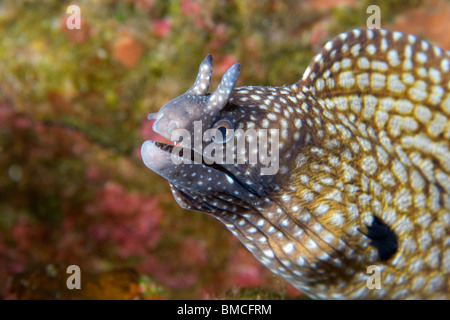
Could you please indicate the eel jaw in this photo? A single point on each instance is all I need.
(197, 180)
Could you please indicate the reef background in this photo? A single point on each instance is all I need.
(73, 106)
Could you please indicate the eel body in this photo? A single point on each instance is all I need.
(339, 183)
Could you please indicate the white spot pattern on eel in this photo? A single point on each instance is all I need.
(364, 173)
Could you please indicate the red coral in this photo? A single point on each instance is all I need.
(161, 27)
(246, 271)
(218, 37)
(127, 51)
(75, 36)
(6, 113)
(225, 63)
(189, 7)
(318, 36)
(21, 233)
(194, 252)
(130, 221)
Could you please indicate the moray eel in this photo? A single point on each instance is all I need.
(354, 201)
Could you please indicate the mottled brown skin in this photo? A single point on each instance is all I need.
(364, 176)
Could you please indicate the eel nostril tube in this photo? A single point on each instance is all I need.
(152, 116)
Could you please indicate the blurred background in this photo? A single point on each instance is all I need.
(73, 106)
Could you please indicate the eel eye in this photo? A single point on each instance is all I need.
(223, 130)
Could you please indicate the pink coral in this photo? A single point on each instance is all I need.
(189, 7)
(130, 221)
(161, 27)
(246, 271)
(225, 63)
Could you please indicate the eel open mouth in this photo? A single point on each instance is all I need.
(157, 154)
(156, 137)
